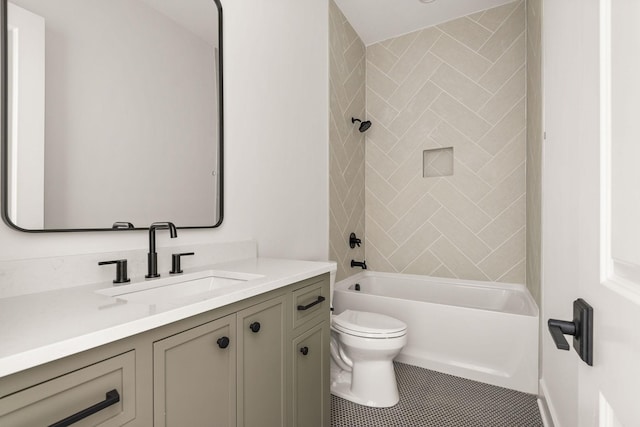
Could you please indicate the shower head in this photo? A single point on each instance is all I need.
(363, 125)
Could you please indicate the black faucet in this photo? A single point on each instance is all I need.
(152, 256)
(362, 264)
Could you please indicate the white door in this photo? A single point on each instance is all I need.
(591, 207)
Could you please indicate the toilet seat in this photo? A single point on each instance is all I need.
(368, 325)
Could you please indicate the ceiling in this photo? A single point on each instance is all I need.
(378, 20)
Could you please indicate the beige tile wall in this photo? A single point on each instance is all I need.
(534, 145)
(460, 84)
(346, 145)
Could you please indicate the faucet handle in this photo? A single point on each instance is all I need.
(175, 262)
(121, 270)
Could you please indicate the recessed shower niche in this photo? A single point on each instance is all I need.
(437, 162)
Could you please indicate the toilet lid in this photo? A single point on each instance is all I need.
(368, 324)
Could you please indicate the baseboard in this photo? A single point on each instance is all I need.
(547, 412)
(544, 413)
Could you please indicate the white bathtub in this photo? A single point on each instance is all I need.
(477, 330)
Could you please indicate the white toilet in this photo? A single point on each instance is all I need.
(363, 346)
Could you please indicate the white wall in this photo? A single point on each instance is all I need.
(276, 141)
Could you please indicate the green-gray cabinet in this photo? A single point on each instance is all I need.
(215, 369)
(194, 376)
(111, 381)
(261, 373)
(310, 380)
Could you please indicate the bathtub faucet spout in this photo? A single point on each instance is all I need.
(362, 264)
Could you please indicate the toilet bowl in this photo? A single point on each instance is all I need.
(363, 346)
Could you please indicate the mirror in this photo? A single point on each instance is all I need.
(112, 114)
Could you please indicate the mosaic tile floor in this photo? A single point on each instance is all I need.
(429, 398)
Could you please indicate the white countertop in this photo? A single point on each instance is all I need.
(39, 328)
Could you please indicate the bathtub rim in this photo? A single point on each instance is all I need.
(344, 284)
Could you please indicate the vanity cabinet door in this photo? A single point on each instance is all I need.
(194, 376)
(310, 380)
(261, 373)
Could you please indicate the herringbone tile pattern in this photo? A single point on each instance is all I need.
(346, 162)
(460, 84)
(534, 146)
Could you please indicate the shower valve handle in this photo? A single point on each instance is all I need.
(354, 241)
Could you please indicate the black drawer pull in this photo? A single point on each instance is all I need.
(308, 306)
(304, 350)
(255, 327)
(111, 398)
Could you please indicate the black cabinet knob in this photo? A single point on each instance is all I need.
(255, 326)
(304, 350)
(223, 342)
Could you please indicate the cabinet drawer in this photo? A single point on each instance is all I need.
(310, 302)
(55, 400)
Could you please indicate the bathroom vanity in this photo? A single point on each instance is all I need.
(252, 354)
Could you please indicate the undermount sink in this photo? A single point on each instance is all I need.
(206, 283)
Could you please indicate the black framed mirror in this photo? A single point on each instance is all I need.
(112, 114)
